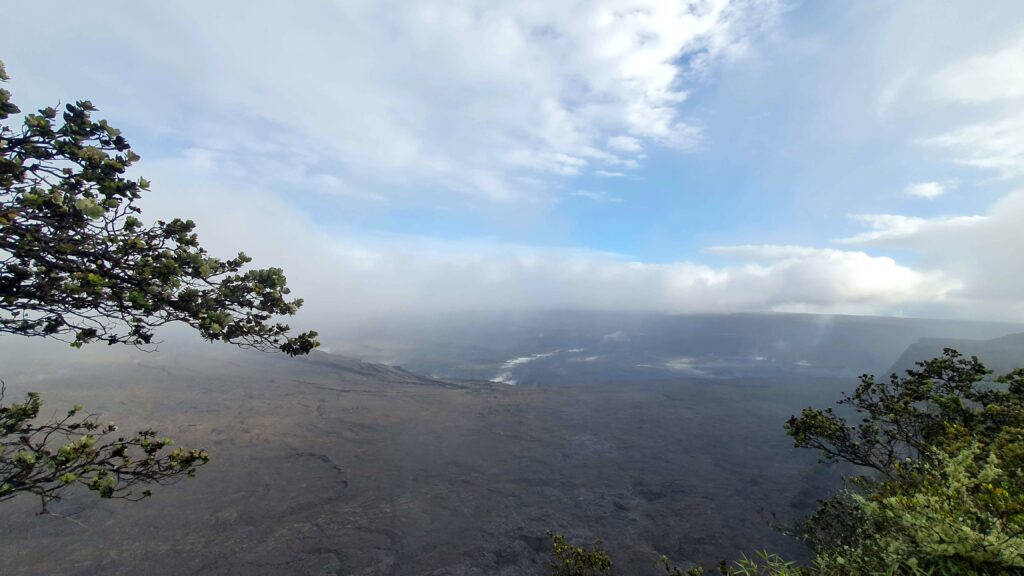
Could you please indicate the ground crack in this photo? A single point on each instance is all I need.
(326, 460)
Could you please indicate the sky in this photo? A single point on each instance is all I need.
(715, 156)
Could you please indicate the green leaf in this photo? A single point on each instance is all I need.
(90, 208)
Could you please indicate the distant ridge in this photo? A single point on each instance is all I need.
(1001, 354)
(584, 347)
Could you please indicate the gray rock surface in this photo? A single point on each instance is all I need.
(330, 466)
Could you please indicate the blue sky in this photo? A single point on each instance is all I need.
(746, 155)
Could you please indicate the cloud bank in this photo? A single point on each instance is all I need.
(473, 98)
(347, 278)
(259, 121)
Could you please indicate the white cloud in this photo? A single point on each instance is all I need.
(992, 83)
(962, 266)
(927, 190)
(473, 97)
(501, 102)
(896, 226)
(345, 277)
(801, 278)
(625, 144)
(996, 145)
(980, 252)
(595, 196)
(985, 78)
(762, 252)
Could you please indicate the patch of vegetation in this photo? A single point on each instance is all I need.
(570, 560)
(44, 459)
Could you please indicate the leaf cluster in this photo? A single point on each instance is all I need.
(570, 560)
(44, 459)
(78, 263)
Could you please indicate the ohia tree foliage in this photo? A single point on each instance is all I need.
(78, 263)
